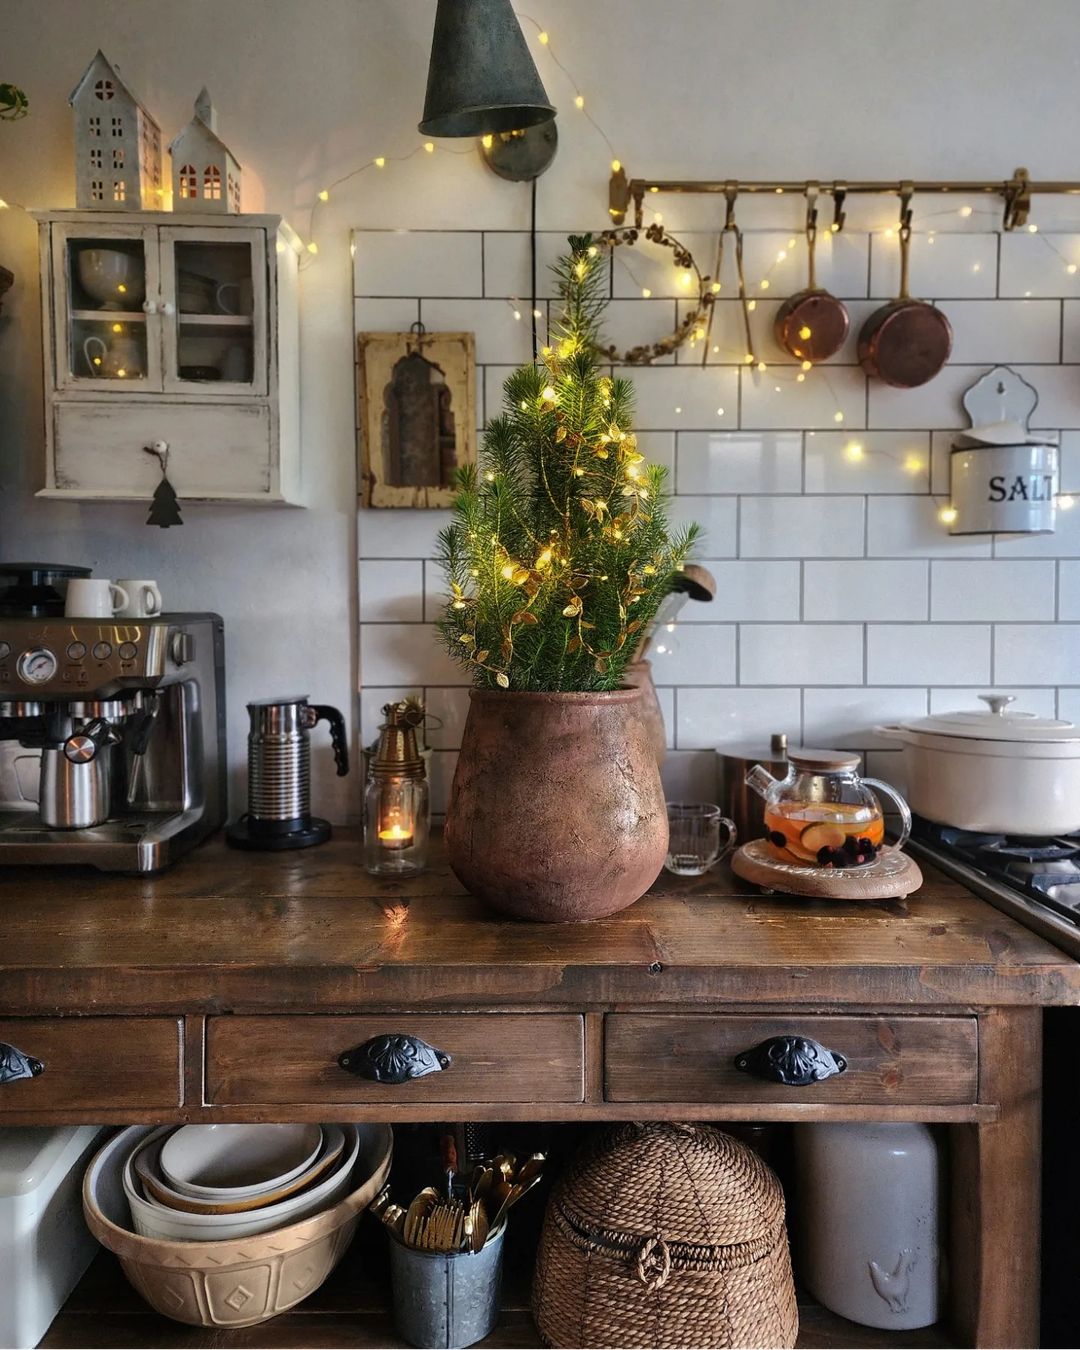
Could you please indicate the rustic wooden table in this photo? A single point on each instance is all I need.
(227, 988)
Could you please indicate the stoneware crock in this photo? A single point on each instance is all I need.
(639, 675)
(556, 811)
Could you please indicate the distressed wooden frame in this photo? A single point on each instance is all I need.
(376, 355)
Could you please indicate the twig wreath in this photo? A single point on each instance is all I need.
(697, 319)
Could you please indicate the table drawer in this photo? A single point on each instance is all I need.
(505, 1057)
(888, 1060)
(92, 1062)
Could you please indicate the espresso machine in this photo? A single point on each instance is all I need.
(112, 738)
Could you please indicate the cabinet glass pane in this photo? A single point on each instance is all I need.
(214, 302)
(106, 323)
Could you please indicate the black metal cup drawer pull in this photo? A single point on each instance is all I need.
(795, 1061)
(15, 1065)
(394, 1058)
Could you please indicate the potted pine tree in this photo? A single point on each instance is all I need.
(558, 554)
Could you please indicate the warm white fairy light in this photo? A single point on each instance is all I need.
(751, 305)
(965, 211)
(379, 161)
(645, 292)
(947, 515)
(1033, 228)
(324, 195)
(543, 37)
(838, 416)
(429, 146)
(1066, 500)
(579, 101)
(719, 412)
(517, 313)
(854, 452)
(312, 247)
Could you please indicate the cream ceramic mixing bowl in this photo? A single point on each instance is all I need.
(232, 1283)
(234, 1162)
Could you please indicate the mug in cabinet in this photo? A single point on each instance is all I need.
(235, 297)
(117, 360)
(94, 598)
(144, 598)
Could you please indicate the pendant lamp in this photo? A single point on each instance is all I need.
(481, 78)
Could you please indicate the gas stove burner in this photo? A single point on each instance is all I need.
(1047, 869)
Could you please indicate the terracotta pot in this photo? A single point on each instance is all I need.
(639, 676)
(557, 811)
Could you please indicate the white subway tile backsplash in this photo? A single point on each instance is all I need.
(690, 397)
(748, 590)
(700, 653)
(801, 527)
(1038, 264)
(844, 719)
(391, 592)
(927, 653)
(850, 591)
(396, 315)
(639, 323)
(406, 654)
(888, 766)
(1034, 653)
(718, 717)
(908, 527)
(717, 518)
(991, 591)
(666, 698)
(800, 653)
(442, 766)
(498, 335)
(1000, 331)
(934, 404)
(690, 776)
(507, 266)
(1068, 590)
(828, 397)
(739, 461)
(868, 461)
(417, 262)
(387, 533)
(857, 582)
(943, 266)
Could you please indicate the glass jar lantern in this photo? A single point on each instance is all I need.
(396, 807)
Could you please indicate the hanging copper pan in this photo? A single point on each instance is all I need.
(812, 324)
(906, 342)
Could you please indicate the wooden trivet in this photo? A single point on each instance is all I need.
(892, 875)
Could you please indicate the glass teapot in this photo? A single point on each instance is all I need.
(823, 814)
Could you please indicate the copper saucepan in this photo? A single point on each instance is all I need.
(906, 342)
(811, 324)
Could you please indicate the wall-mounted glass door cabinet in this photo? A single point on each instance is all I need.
(184, 330)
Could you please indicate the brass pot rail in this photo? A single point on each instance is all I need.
(1015, 192)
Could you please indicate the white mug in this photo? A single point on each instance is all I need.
(144, 598)
(93, 598)
(235, 297)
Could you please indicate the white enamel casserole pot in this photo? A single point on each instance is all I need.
(995, 771)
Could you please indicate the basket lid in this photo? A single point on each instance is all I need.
(686, 1183)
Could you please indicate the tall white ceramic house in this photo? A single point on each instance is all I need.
(117, 144)
(205, 174)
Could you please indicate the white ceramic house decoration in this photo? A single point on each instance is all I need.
(117, 144)
(205, 174)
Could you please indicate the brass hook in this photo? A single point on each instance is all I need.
(839, 192)
(906, 190)
(812, 190)
(731, 193)
(1017, 200)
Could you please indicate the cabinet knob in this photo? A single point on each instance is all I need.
(149, 306)
(15, 1065)
(795, 1061)
(394, 1058)
(168, 307)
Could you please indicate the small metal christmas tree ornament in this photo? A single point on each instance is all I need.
(117, 144)
(396, 806)
(205, 173)
(165, 506)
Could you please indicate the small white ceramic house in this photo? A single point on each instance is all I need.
(205, 174)
(117, 144)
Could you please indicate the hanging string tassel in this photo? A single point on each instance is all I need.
(165, 506)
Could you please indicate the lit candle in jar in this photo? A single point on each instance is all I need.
(396, 835)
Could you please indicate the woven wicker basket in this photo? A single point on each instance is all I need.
(665, 1235)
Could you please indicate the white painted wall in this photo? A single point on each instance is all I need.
(308, 92)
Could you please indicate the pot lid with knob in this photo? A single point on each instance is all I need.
(997, 722)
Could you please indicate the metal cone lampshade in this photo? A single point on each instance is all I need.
(481, 78)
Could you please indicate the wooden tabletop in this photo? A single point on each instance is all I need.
(227, 930)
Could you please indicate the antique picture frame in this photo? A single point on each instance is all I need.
(416, 422)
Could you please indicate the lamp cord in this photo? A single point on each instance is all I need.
(532, 263)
